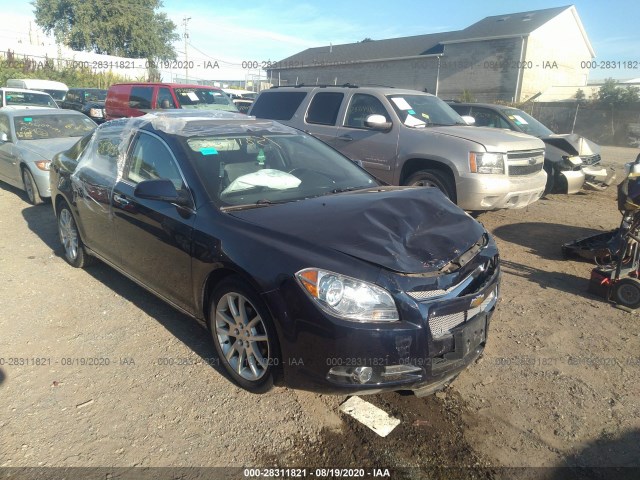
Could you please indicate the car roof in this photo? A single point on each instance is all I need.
(198, 123)
(365, 88)
(24, 90)
(16, 110)
(88, 88)
(170, 85)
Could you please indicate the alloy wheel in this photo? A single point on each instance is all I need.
(68, 234)
(242, 336)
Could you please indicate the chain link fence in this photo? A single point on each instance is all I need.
(617, 125)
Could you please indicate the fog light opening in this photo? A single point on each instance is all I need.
(362, 374)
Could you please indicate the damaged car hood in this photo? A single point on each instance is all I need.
(573, 144)
(408, 230)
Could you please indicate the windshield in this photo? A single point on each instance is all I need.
(56, 94)
(526, 123)
(95, 95)
(38, 127)
(34, 99)
(271, 168)
(424, 110)
(204, 99)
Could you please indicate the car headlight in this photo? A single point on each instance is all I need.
(572, 162)
(487, 162)
(96, 112)
(347, 297)
(43, 165)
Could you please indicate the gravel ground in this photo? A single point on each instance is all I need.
(95, 371)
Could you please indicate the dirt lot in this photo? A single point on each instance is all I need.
(95, 371)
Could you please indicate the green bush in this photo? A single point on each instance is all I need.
(12, 67)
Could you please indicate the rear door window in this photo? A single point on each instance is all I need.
(141, 97)
(324, 108)
(277, 105)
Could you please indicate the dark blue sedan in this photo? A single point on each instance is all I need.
(307, 271)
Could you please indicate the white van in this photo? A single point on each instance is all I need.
(57, 90)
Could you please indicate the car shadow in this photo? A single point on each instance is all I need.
(543, 239)
(603, 458)
(562, 281)
(21, 194)
(2, 376)
(42, 222)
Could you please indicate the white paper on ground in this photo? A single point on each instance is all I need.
(376, 419)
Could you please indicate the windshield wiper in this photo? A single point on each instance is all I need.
(347, 189)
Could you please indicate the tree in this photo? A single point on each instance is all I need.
(580, 95)
(610, 93)
(124, 28)
(366, 40)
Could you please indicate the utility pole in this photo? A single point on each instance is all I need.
(185, 20)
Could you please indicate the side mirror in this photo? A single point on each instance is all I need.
(163, 190)
(469, 120)
(3, 137)
(377, 122)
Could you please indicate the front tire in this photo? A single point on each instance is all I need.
(434, 178)
(244, 336)
(74, 252)
(30, 187)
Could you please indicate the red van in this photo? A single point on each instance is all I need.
(136, 99)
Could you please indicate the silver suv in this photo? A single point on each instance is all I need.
(406, 137)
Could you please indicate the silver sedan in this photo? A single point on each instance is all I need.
(29, 138)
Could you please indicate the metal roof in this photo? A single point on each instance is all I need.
(497, 26)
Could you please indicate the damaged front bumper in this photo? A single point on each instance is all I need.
(598, 178)
(442, 331)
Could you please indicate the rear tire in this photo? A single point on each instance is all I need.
(74, 252)
(434, 178)
(30, 187)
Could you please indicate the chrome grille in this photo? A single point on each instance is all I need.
(441, 325)
(524, 169)
(525, 162)
(590, 159)
(426, 294)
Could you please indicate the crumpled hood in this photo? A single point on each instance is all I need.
(408, 230)
(493, 139)
(47, 147)
(573, 144)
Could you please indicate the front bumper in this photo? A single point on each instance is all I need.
(41, 178)
(493, 192)
(434, 341)
(574, 179)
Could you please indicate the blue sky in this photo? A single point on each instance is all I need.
(261, 31)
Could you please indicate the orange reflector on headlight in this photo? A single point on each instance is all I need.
(472, 162)
(310, 281)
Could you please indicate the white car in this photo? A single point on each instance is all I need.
(23, 98)
(29, 138)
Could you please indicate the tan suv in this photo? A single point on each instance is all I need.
(406, 137)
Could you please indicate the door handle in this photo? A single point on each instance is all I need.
(121, 200)
(346, 138)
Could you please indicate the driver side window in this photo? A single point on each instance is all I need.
(150, 160)
(361, 106)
